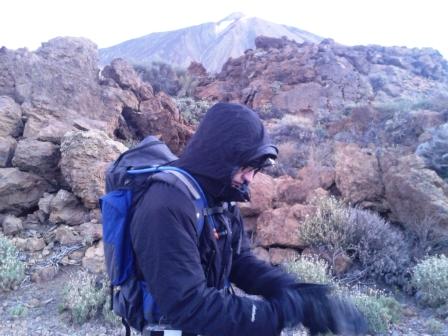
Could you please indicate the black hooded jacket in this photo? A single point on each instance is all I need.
(188, 273)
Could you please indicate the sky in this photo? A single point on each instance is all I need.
(411, 23)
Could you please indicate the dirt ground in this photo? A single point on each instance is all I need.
(33, 310)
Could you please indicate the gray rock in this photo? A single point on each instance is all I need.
(19, 191)
(7, 146)
(58, 88)
(65, 235)
(66, 208)
(36, 156)
(94, 259)
(11, 225)
(85, 157)
(10, 117)
(44, 203)
(44, 274)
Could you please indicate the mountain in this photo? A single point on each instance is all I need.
(210, 43)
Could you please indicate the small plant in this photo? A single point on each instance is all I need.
(434, 327)
(379, 309)
(82, 297)
(364, 236)
(192, 111)
(291, 157)
(12, 270)
(435, 151)
(109, 316)
(17, 311)
(292, 126)
(310, 269)
(430, 278)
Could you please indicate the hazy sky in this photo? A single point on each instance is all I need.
(412, 23)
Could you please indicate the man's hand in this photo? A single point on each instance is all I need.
(324, 313)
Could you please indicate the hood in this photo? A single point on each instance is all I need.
(230, 136)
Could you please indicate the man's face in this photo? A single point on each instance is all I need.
(243, 175)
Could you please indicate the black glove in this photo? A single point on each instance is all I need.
(324, 313)
(289, 307)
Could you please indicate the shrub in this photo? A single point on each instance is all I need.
(379, 309)
(434, 327)
(430, 278)
(310, 269)
(435, 151)
(269, 111)
(292, 126)
(109, 316)
(12, 270)
(17, 311)
(191, 110)
(291, 157)
(161, 76)
(364, 236)
(82, 298)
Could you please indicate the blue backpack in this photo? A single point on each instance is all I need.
(126, 181)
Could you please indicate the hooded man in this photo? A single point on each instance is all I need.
(189, 274)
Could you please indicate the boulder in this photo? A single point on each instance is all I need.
(65, 235)
(280, 226)
(93, 260)
(358, 174)
(159, 116)
(90, 231)
(66, 208)
(10, 117)
(58, 88)
(415, 193)
(32, 244)
(44, 203)
(84, 159)
(262, 254)
(262, 190)
(11, 225)
(19, 191)
(280, 256)
(250, 224)
(291, 191)
(39, 157)
(125, 76)
(44, 274)
(7, 147)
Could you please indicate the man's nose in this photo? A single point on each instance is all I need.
(249, 176)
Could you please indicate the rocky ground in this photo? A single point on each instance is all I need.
(33, 309)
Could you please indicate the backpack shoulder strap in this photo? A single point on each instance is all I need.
(183, 183)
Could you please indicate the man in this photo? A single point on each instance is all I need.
(189, 274)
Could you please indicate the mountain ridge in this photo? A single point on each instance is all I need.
(210, 43)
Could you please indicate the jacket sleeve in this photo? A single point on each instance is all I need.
(165, 241)
(251, 274)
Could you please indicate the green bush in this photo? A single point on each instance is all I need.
(380, 310)
(310, 269)
(368, 239)
(82, 298)
(161, 76)
(17, 311)
(191, 110)
(435, 151)
(430, 278)
(434, 327)
(12, 270)
(109, 316)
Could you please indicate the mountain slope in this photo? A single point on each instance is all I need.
(210, 43)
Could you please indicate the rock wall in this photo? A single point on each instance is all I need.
(60, 119)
